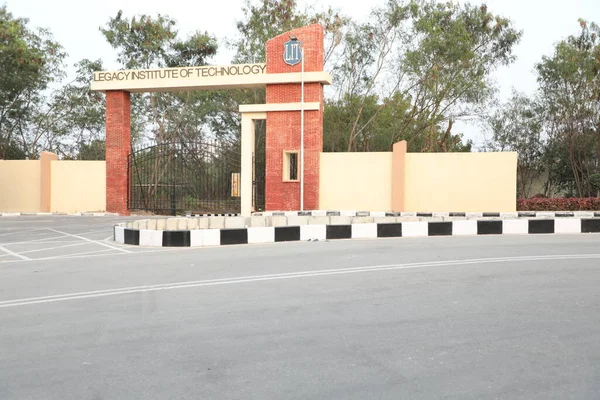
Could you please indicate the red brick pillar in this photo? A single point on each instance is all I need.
(283, 127)
(118, 145)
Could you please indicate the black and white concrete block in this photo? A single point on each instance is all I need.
(519, 214)
(253, 235)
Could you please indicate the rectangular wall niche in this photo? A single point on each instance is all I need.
(290, 166)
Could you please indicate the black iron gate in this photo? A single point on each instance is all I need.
(175, 178)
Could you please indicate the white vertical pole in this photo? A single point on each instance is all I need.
(302, 133)
(248, 134)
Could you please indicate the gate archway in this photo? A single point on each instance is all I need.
(294, 125)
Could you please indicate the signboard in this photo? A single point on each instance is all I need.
(180, 73)
(292, 52)
(235, 184)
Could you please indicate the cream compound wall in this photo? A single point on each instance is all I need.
(20, 187)
(78, 186)
(52, 185)
(435, 182)
(429, 182)
(470, 182)
(356, 181)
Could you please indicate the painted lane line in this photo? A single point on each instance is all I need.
(88, 255)
(270, 277)
(33, 240)
(12, 253)
(14, 232)
(85, 254)
(50, 238)
(95, 231)
(14, 221)
(91, 241)
(54, 248)
(49, 241)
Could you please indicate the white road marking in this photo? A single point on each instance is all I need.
(14, 233)
(48, 241)
(13, 221)
(50, 238)
(91, 241)
(32, 241)
(270, 277)
(12, 253)
(54, 248)
(96, 231)
(86, 254)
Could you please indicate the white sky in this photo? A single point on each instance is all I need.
(75, 23)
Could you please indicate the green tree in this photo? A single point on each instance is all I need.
(519, 126)
(569, 86)
(439, 57)
(70, 116)
(30, 60)
(265, 19)
(144, 41)
(94, 150)
(386, 118)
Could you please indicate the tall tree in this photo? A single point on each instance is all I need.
(265, 19)
(439, 57)
(519, 126)
(30, 60)
(144, 41)
(569, 85)
(70, 116)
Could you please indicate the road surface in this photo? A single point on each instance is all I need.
(430, 318)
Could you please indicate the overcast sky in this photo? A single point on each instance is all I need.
(75, 24)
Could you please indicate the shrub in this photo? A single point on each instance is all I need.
(559, 204)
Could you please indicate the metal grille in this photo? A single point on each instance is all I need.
(259, 162)
(174, 178)
(258, 182)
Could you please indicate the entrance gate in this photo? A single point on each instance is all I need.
(171, 178)
(179, 177)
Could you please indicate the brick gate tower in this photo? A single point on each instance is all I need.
(283, 128)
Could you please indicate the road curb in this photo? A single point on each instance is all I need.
(517, 214)
(220, 237)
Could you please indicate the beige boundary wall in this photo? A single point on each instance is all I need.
(471, 182)
(50, 185)
(355, 181)
(414, 182)
(78, 186)
(20, 188)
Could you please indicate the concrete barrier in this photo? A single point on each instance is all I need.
(303, 228)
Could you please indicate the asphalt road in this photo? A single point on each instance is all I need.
(455, 318)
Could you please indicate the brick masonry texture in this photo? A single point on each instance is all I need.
(283, 128)
(118, 145)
